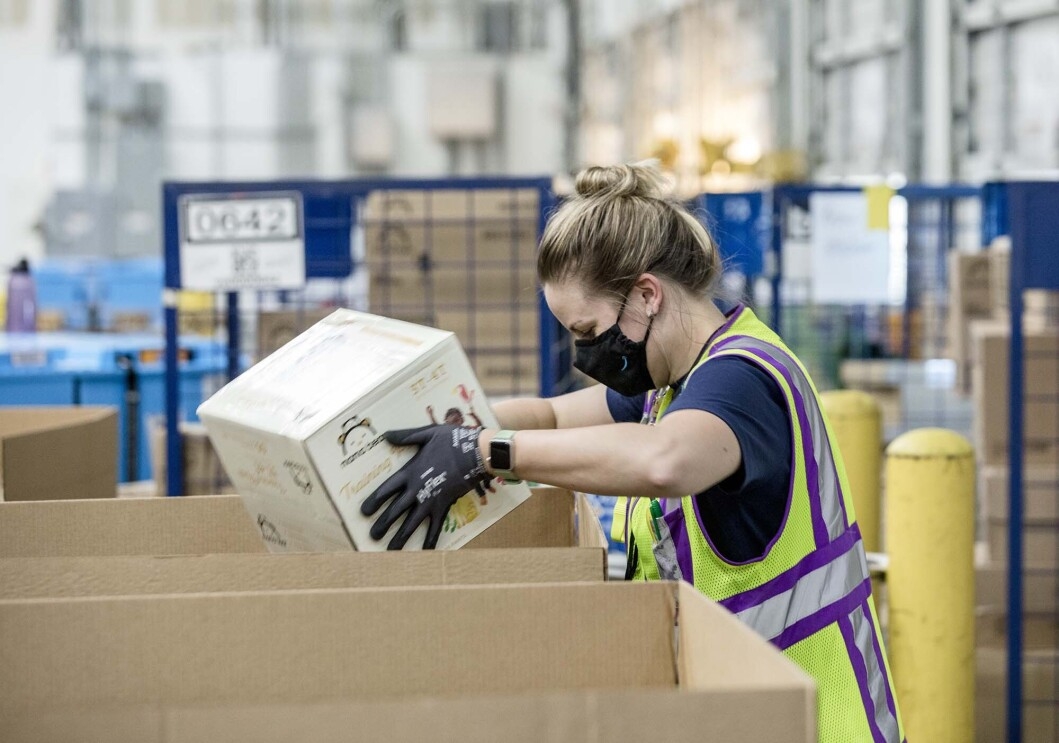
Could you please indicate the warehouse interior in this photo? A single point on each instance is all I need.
(243, 242)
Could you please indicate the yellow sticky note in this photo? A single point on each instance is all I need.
(878, 197)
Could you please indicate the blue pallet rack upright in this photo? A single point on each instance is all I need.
(1028, 212)
(330, 218)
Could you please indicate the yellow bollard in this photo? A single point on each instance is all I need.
(930, 491)
(857, 424)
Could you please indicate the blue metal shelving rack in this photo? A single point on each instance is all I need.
(1028, 212)
(330, 220)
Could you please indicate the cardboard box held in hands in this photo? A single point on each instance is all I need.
(301, 433)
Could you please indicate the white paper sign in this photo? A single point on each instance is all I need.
(252, 242)
(850, 262)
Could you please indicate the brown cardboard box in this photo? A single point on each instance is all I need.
(970, 298)
(276, 328)
(394, 204)
(442, 204)
(1038, 683)
(502, 287)
(992, 346)
(1040, 587)
(58, 452)
(1040, 630)
(1040, 543)
(490, 243)
(513, 663)
(508, 373)
(203, 472)
(422, 292)
(495, 329)
(551, 517)
(552, 537)
(127, 526)
(496, 243)
(396, 245)
(1040, 492)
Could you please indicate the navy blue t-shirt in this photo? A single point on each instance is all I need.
(743, 513)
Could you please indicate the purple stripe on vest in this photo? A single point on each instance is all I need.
(890, 704)
(675, 521)
(828, 615)
(786, 580)
(861, 672)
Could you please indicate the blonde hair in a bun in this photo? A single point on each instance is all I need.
(640, 179)
(622, 223)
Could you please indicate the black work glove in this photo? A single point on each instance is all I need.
(447, 466)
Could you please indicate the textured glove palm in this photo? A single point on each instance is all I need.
(447, 466)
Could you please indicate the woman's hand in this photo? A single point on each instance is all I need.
(447, 466)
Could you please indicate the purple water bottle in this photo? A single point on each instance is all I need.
(21, 300)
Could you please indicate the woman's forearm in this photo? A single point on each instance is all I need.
(688, 452)
(525, 413)
(615, 459)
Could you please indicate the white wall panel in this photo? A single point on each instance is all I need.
(1013, 96)
(192, 159)
(533, 116)
(864, 101)
(1035, 69)
(417, 152)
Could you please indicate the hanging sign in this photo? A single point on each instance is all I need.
(850, 255)
(246, 241)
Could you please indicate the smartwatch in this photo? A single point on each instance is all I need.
(502, 456)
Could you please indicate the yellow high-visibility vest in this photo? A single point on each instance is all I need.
(809, 593)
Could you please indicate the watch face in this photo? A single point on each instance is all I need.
(500, 455)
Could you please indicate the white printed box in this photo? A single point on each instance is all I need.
(301, 433)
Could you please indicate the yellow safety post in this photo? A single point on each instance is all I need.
(930, 496)
(857, 424)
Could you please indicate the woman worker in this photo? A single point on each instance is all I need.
(734, 433)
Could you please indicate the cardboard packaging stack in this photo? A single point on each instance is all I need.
(981, 338)
(465, 261)
(301, 433)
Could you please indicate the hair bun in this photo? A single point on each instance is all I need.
(635, 179)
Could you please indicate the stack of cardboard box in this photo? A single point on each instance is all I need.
(463, 260)
(980, 337)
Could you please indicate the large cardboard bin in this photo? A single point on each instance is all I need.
(552, 537)
(58, 452)
(571, 662)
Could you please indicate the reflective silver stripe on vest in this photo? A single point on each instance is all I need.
(820, 588)
(833, 510)
(876, 674)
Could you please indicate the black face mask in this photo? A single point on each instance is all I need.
(611, 358)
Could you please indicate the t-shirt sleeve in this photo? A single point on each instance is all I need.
(751, 403)
(625, 409)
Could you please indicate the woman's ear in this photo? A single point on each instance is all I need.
(647, 293)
